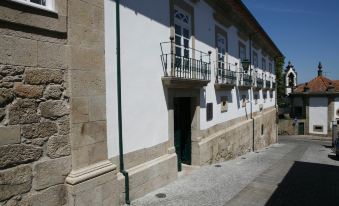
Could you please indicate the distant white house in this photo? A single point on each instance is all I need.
(315, 105)
(186, 98)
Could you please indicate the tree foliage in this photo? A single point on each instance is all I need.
(279, 68)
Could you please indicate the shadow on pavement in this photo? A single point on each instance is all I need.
(308, 184)
(333, 157)
(328, 146)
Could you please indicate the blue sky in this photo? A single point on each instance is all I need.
(306, 31)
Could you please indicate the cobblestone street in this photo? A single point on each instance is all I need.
(296, 171)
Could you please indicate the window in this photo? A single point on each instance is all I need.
(270, 68)
(182, 27)
(224, 105)
(255, 59)
(263, 64)
(221, 45)
(318, 128)
(43, 4)
(209, 111)
(242, 51)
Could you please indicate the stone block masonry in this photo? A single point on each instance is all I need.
(34, 122)
(53, 152)
(34, 129)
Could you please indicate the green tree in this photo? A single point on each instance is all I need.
(279, 67)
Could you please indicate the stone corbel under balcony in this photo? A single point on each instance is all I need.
(175, 82)
(220, 86)
(243, 87)
(256, 88)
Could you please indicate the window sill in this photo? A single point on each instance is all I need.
(32, 5)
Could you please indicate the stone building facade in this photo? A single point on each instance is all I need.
(52, 105)
(58, 135)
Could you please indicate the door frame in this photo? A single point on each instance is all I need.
(194, 95)
(299, 125)
(183, 146)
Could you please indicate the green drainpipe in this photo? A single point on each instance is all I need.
(121, 148)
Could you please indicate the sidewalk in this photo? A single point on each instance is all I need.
(212, 185)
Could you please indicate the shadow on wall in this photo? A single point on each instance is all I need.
(159, 12)
(308, 184)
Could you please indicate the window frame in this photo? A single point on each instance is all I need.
(263, 64)
(50, 4)
(240, 46)
(270, 67)
(255, 59)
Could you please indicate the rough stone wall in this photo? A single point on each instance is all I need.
(286, 127)
(235, 140)
(223, 145)
(34, 109)
(265, 129)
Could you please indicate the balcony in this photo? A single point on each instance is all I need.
(260, 84)
(184, 71)
(226, 76)
(246, 82)
(267, 85)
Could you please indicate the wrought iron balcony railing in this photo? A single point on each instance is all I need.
(246, 80)
(225, 75)
(260, 83)
(182, 64)
(268, 84)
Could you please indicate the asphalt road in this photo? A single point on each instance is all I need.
(295, 172)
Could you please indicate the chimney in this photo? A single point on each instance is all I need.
(320, 69)
(331, 88)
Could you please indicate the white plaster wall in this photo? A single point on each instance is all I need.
(145, 116)
(205, 41)
(144, 109)
(336, 107)
(318, 114)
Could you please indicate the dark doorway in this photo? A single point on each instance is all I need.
(301, 126)
(182, 129)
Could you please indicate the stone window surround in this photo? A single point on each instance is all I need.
(52, 23)
(50, 4)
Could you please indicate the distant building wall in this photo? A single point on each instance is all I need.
(318, 111)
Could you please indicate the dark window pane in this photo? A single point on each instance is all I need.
(186, 43)
(177, 40)
(177, 29)
(186, 53)
(209, 111)
(186, 33)
(177, 51)
(40, 2)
